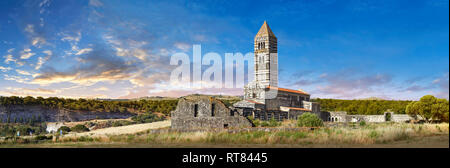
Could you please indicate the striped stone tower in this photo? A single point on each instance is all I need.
(266, 59)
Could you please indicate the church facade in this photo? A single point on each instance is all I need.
(263, 99)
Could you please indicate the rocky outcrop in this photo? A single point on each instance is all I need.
(24, 113)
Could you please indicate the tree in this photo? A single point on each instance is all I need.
(79, 128)
(64, 129)
(430, 108)
(440, 110)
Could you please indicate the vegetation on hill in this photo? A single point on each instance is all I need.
(9, 130)
(366, 107)
(162, 106)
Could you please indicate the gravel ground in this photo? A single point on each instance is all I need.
(129, 129)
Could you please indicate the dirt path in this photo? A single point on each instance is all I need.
(129, 129)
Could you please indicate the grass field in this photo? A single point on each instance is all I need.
(354, 135)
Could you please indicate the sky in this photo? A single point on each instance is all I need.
(122, 49)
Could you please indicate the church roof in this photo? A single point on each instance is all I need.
(255, 102)
(297, 108)
(265, 31)
(288, 90)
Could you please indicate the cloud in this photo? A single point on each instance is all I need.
(69, 38)
(9, 58)
(4, 69)
(415, 88)
(37, 40)
(30, 92)
(98, 65)
(16, 78)
(84, 51)
(36, 37)
(442, 83)
(95, 3)
(29, 28)
(350, 84)
(22, 72)
(25, 54)
(101, 89)
(43, 5)
(182, 46)
(304, 78)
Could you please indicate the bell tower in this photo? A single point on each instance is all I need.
(266, 58)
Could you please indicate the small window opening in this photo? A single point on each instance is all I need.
(213, 106)
(195, 110)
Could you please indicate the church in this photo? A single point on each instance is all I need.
(263, 99)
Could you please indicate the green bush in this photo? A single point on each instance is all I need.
(147, 118)
(264, 124)
(79, 128)
(122, 123)
(309, 120)
(64, 129)
(43, 137)
(274, 123)
(362, 123)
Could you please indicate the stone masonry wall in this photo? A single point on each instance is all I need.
(184, 115)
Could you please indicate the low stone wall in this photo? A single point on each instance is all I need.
(401, 118)
(374, 118)
(231, 130)
(210, 122)
(341, 116)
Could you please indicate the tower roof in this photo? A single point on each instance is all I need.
(265, 31)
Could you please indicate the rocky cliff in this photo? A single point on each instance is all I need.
(23, 113)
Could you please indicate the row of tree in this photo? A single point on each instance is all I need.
(363, 107)
(162, 106)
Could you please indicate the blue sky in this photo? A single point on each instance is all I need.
(121, 49)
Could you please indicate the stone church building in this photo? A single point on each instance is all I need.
(263, 99)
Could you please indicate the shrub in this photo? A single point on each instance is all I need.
(122, 123)
(309, 120)
(274, 123)
(264, 124)
(79, 128)
(64, 129)
(147, 118)
(43, 137)
(373, 134)
(362, 123)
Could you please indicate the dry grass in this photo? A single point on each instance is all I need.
(385, 133)
(369, 134)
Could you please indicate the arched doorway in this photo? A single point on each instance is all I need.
(387, 117)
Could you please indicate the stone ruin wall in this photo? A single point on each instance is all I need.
(183, 117)
(343, 117)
